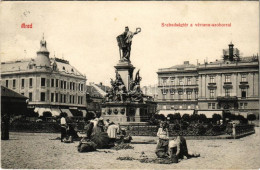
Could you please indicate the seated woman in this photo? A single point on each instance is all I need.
(178, 149)
(162, 145)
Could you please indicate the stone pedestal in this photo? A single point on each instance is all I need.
(123, 112)
(125, 70)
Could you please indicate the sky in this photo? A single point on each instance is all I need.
(84, 33)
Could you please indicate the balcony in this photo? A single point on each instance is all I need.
(227, 98)
(228, 85)
(212, 85)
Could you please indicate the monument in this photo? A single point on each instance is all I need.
(125, 102)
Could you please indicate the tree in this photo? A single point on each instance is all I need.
(161, 117)
(186, 117)
(176, 117)
(90, 116)
(47, 114)
(251, 117)
(194, 117)
(171, 117)
(203, 118)
(216, 117)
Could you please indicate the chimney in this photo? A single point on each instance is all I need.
(231, 48)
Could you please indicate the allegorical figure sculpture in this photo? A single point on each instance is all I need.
(124, 41)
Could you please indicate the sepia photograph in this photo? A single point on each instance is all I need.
(130, 85)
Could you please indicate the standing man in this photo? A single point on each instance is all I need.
(63, 125)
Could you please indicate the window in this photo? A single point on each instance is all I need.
(164, 92)
(196, 94)
(189, 95)
(31, 82)
(164, 81)
(72, 99)
(57, 82)
(227, 92)
(209, 105)
(61, 84)
(245, 105)
(30, 97)
(22, 83)
(79, 100)
(180, 95)
(65, 84)
(64, 100)
(82, 89)
(52, 82)
(212, 79)
(227, 78)
(56, 97)
(197, 80)
(61, 97)
(243, 93)
(172, 80)
(189, 81)
(43, 82)
(212, 93)
(180, 81)
(52, 97)
(14, 83)
(6, 83)
(213, 105)
(243, 78)
(42, 96)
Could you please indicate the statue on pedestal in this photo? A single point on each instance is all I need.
(124, 41)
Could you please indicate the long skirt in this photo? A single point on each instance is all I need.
(162, 148)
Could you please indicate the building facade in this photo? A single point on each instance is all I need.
(231, 84)
(51, 84)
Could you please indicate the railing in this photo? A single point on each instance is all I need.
(242, 130)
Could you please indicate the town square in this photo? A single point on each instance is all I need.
(129, 90)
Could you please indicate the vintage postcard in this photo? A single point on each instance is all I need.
(130, 85)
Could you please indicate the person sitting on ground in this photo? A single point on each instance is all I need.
(99, 127)
(89, 129)
(162, 145)
(112, 131)
(178, 149)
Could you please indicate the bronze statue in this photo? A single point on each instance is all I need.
(125, 41)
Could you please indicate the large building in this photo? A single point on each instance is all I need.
(230, 84)
(51, 84)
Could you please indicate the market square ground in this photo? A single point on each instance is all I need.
(36, 150)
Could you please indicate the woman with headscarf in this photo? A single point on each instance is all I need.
(162, 145)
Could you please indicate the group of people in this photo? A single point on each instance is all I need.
(95, 129)
(174, 149)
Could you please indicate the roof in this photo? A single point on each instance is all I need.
(19, 65)
(5, 92)
(93, 92)
(65, 67)
(184, 66)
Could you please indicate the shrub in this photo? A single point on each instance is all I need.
(186, 117)
(203, 118)
(216, 117)
(251, 117)
(201, 129)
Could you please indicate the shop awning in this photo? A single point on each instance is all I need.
(210, 113)
(67, 111)
(55, 112)
(182, 112)
(41, 110)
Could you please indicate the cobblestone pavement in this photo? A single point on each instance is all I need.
(36, 150)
